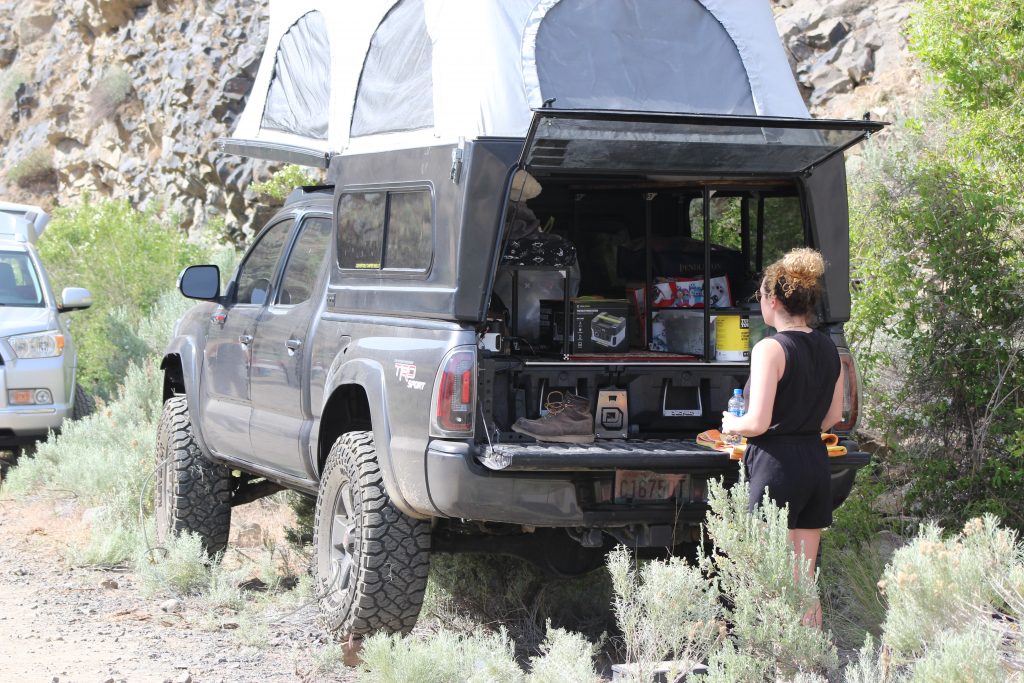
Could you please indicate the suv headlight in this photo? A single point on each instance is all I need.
(38, 345)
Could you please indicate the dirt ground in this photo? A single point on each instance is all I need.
(59, 623)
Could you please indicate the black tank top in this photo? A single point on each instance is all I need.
(805, 390)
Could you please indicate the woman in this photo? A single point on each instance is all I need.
(796, 392)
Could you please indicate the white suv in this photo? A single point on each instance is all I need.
(37, 356)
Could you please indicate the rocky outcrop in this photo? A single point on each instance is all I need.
(129, 96)
(125, 98)
(849, 56)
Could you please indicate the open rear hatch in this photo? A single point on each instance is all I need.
(684, 144)
(686, 206)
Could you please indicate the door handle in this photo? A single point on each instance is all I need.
(246, 339)
(293, 344)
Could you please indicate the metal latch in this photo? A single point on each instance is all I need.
(457, 155)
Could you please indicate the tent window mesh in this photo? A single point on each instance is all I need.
(300, 89)
(642, 55)
(396, 89)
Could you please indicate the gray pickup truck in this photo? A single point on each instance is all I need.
(521, 294)
(363, 354)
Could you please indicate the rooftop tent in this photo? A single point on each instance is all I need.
(344, 77)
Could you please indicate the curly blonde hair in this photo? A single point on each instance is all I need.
(795, 280)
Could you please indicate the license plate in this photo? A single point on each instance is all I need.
(632, 486)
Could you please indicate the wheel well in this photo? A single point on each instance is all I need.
(174, 376)
(348, 410)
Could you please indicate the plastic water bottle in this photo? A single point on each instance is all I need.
(737, 406)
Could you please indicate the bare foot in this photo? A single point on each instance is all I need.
(812, 618)
(351, 650)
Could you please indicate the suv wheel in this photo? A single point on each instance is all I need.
(192, 493)
(85, 404)
(371, 559)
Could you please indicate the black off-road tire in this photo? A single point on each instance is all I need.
(372, 559)
(193, 493)
(85, 404)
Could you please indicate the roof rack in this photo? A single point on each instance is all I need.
(22, 222)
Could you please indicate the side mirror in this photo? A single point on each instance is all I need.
(74, 299)
(200, 282)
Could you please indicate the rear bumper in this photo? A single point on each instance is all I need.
(540, 485)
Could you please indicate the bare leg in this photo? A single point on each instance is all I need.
(805, 542)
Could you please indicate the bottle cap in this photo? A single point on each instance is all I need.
(737, 392)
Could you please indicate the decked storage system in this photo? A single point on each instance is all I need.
(674, 154)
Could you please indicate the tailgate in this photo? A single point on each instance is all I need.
(613, 454)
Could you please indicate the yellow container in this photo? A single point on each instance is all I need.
(732, 338)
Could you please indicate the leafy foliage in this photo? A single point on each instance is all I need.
(938, 242)
(281, 183)
(127, 259)
(951, 600)
(976, 47)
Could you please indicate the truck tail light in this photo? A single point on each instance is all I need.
(455, 394)
(851, 394)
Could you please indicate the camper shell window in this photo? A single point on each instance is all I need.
(390, 230)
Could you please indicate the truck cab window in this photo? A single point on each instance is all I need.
(256, 274)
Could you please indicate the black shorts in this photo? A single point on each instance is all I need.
(795, 471)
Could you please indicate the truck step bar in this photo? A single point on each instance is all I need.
(617, 454)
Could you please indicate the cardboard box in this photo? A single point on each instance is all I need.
(596, 325)
(684, 293)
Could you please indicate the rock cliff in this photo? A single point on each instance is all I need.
(125, 98)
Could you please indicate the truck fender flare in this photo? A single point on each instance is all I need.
(182, 351)
(369, 375)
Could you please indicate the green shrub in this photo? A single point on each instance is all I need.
(955, 605)
(127, 259)
(279, 185)
(564, 657)
(937, 241)
(103, 460)
(36, 166)
(181, 567)
(665, 610)
(304, 507)
(976, 48)
(111, 90)
(477, 658)
(753, 564)
(934, 585)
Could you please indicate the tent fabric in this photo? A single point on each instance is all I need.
(300, 88)
(412, 73)
(612, 37)
(396, 87)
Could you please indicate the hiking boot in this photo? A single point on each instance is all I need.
(568, 421)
